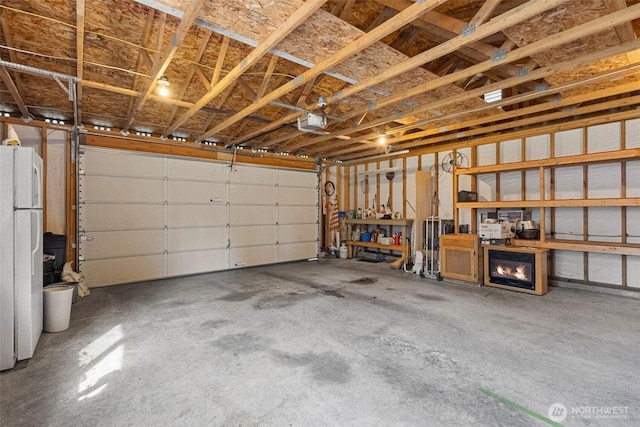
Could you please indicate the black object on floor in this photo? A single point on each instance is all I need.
(369, 260)
(56, 245)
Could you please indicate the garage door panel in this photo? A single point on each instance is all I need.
(297, 251)
(196, 192)
(253, 235)
(198, 262)
(297, 196)
(298, 215)
(117, 244)
(122, 189)
(196, 216)
(255, 255)
(104, 272)
(243, 215)
(183, 169)
(253, 175)
(106, 162)
(298, 179)
(122, 217)
(252, 195)
(147, 226)
(190, 239)
(297, 233)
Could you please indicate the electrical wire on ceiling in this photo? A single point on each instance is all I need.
(61, 58)
(134, 45)
(124, 70)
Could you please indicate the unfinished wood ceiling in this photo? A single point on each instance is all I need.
(241, 72)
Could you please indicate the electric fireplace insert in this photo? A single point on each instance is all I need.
(520, 269)
(515, 269)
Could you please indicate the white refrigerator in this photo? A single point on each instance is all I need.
(20, 253)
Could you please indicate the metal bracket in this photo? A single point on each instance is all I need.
(541, 87)
(499, 55)
(468, 29)
(64, 88)
(556, 98)
(522, 72)
(72, 90)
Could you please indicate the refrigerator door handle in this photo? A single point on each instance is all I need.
(36, 247)
(37, 191)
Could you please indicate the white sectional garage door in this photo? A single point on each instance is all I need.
(145, 216)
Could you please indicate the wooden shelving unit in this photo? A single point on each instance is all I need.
(404, 224)
(542, 204)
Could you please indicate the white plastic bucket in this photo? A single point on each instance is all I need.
(57, 307)
(344, 252)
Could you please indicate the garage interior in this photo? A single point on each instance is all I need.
(214, 167)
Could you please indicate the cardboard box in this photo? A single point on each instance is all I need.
(501, 230)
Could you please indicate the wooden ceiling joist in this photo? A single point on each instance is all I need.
(204, 80)
(403, 65)
(506, 20)
(13, 89)
(162, 63)
(508, 117)
(297, 18)
(193, 70)
(485, 11)
(143, 59)
(554, 40)
(267, 76)
(514, 124)
(215, 78)
(358, 45)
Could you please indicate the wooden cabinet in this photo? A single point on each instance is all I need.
(405, 227)
(461, 257)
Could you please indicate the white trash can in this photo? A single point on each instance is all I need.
(57, 307)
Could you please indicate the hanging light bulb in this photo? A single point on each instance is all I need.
(163, 86)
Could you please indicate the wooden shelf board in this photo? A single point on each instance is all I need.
(582, 246)
(406, 221)
(376, 245)
(501, 204)
(607, 156)
(559, 203)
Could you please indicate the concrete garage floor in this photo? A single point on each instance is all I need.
(334, 342)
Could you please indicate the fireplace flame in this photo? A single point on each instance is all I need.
(520, 273)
